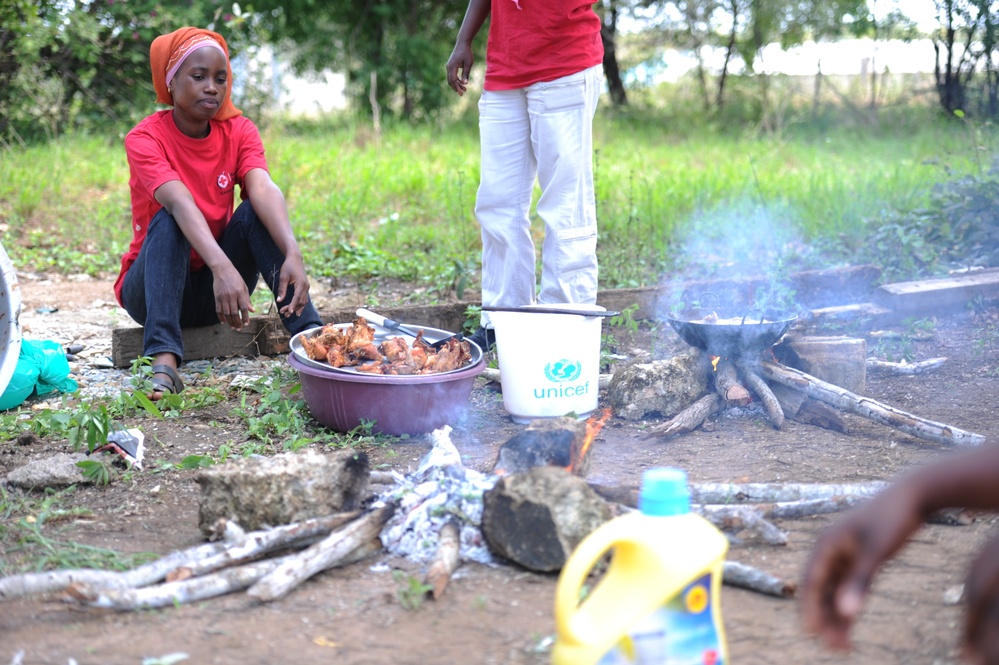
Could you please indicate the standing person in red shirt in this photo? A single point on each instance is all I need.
(543, 81)
(194, 260)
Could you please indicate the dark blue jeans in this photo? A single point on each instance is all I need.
(163, 295)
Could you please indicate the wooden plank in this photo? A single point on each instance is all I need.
(860, 315)
(930, 296)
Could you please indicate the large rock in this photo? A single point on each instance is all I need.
(59, 470)
(286, 488)
(536, 519)
(660, 387)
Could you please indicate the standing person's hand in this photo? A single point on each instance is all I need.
(458, 67)
(981, 628)
(232, 300)
(846, 558)
(292, 274)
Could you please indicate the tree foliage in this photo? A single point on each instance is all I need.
(967, 70)
(397, 48)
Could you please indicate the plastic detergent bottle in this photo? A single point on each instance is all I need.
(658, 601)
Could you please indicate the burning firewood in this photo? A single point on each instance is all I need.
(446, 559)
(869, 408)
(689, 419)
(904, 367)
(327, 553)
(727, 384)
(746, 577)
(762, 390)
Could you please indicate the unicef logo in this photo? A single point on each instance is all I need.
(563, 370)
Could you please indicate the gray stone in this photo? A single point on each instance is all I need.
(536, 519)
(660, 387)
(58, 470)
(286, 488)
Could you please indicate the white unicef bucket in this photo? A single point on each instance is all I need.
(549, 363)
(10, 327)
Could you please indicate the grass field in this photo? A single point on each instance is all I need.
(671, 198)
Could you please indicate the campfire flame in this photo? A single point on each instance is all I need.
(593, 426)
(714, 362)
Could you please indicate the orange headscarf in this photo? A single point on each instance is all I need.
(169, 50)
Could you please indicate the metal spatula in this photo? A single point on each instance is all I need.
(405, 329)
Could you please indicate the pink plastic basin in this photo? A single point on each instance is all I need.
(397, 404)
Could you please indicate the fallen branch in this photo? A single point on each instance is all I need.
(327, 553)
(869, 408)
(904, 367)
(762, 390)
(746, 577)
(689, 419)
(445, 559)
(802, 408)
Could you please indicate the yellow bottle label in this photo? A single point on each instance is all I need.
(680, 632)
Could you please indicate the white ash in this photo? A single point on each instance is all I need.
(439, 490)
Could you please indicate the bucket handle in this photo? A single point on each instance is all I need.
(549, 310)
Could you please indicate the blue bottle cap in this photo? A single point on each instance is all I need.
(664, 492)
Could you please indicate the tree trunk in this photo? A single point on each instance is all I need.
(612, 71)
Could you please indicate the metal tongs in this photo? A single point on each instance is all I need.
(405, 329)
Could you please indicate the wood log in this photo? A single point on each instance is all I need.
(741, 518)
(26, 584)
(196, 588)
(869, 408)
(770, 403)
(689, 419)
(801, 408)
(904, 368)
(807, 507)
(747, 577)
(727, 384)
(736, 493)
(446, 559)
(327, 553)
(264, 542)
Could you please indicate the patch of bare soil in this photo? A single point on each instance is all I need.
(504, 614)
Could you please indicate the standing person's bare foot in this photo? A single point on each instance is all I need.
(166, 380)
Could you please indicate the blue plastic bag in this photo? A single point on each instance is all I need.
(41, 368)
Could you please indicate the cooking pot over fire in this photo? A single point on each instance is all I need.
(731, 332)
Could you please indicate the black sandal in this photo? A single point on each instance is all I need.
(160, 386)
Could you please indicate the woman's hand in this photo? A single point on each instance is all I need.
(232, 300)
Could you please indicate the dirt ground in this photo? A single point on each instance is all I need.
(504, 614)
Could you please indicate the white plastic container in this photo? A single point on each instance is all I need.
(10, 327)
(549, 363)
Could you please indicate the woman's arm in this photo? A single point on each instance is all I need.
(461, 57)
(269, 204)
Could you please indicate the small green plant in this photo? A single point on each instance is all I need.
(411, 591)
(97, 471)
(626, 319)
(473, 316)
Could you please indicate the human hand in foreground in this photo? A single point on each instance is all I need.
(981, 590)
(842, 566)
(292, 274)
(232, 299)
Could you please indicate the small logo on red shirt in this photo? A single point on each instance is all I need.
(224, 180)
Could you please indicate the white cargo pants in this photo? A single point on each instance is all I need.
(543, 132)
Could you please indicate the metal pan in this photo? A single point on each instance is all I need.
(298, 350)
(731, 332)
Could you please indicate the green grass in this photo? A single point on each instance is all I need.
(671, 199)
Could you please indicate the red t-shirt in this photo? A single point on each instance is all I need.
(210, 168)
(540, 40)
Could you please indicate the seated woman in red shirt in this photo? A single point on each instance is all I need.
(194, 260)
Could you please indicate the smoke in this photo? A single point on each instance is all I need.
(738, 255)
